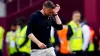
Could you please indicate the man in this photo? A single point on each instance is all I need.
(39, 27)
(1, 39)
(86, 35)
(22, 41)
(10, 39)
(75, 34)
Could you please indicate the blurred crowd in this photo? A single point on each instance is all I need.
(77, 38)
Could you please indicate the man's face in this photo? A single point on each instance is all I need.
(48, 11)
(13, 28)
(18, 26)
(76, 16)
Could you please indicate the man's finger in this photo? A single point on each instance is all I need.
(43, 46)
(57, 5)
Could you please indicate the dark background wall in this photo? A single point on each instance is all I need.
(92, 13)
(98, 12)
(25, 9)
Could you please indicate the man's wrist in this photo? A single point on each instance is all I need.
(38, 43)
(55, 14)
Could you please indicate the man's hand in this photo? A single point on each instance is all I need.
(41, 45)
(70, 50)
(56, 10)
(55, 13)
(35, 40)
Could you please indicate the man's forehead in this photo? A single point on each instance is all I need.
(49, 8)
(76, 14)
